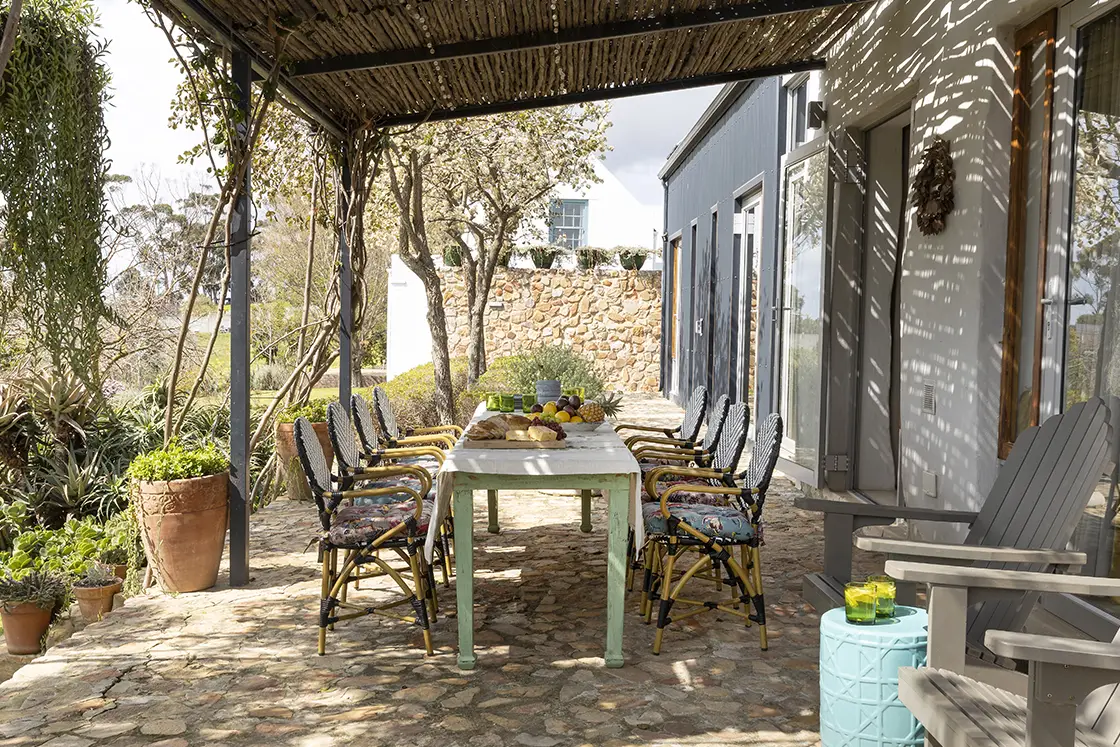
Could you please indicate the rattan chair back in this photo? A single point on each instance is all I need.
(386, 420)
(694, 414)
(764, 456)
(315, 467)
(363, 423)
(732, 439)
(716, 421)
(342, 438)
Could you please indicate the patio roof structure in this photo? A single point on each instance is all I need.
(352, 64)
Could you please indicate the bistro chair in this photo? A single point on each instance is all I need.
(355, 465)
(684, 435)
(428, 457)
(392, 435)
(361, 532)
(710, 517)
(659, 455)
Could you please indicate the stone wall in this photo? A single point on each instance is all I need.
(611, 315)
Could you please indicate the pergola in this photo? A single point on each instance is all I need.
(350, 65)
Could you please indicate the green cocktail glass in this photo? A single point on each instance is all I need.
(884, 594)
(493, 402)
(860, 601)
(507, 403)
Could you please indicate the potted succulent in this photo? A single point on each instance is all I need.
(182, 496)
(452, 257)
(588, 258)
(631, 258)
(28, 606)
(316, 412)
(94, 591)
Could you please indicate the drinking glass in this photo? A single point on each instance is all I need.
(884, 594)
(859, 603)
(493, 402)
(507, 403)
(527, 402)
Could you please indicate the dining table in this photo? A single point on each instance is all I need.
(594, 458)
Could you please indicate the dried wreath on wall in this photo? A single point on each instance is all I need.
(932, 196)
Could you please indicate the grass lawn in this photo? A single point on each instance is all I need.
(261, 397)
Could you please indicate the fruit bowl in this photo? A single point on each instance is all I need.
(582, 427)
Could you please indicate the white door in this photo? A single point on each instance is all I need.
(747, 356)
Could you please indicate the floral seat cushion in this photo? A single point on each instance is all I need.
(686, 496)
(721, 522)
(431, 464)
(354, 526)
(390, 481)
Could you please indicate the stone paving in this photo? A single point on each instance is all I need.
(238, 666)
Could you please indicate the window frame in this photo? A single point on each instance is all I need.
(556, 210)
(1042, 29)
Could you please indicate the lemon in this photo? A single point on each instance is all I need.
(550, 408)
(576, 419)
(563, 417)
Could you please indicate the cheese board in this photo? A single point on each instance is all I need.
(500, 444)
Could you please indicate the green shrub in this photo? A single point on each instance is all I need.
(556, 361)
(315, 411)
(588, 258)
(412, 395)
(177, 462)
(631, 257)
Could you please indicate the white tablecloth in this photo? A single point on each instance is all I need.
(590, 452)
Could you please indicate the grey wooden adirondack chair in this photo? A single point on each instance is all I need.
(1039, 496)
(1072, 695)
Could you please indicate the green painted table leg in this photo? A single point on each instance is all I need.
(492, 511)
(585, 523)
(619, 523)
(464, 575)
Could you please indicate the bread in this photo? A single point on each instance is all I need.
(517, 421)
(540, 433)
(486, 431)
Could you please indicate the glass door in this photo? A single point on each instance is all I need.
(1081, 351)
(746, 374)
(800, 315)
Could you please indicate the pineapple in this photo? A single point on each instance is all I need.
(591, 412)
(611, 402)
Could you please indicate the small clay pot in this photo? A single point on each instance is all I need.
(121, 571)
(95, 601)
(24, 627)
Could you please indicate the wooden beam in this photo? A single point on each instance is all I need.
(600, 94)
(578, 35)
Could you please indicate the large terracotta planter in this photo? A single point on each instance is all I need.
(24, 627)
(296, 481)
(183, 523)
(95, 601)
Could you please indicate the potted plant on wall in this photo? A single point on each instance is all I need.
(452, 257)
(316, 412)
(28, 606)
(95, 590)
(631, 257)
(182, 496)
(588, 258)
(544, 256)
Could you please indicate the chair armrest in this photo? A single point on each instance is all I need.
(1052, 650)
(675, 455)
(436, 429)
(412, 451)
(891, 512)
(667, 432)
(967, 577)
(975, 553)
(432, 438)
(632, 441)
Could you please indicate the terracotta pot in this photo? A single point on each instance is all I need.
(297, 487)
(95, 601)
(24, 627)
(121, 571)
(183, 524)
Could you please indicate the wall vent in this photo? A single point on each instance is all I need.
(929, 399)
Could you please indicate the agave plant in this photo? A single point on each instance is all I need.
(64, 403)
(15, 427)
(67, 484)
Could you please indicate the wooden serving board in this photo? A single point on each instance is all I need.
(503, 444)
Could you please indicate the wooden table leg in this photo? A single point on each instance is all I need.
(492, 511)
(585, 523)
(464, 575)
(618, 502)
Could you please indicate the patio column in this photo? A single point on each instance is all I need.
(239, 348)
(345, 286)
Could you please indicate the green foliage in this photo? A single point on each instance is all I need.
(588, 258)
(315, 411)
(178, 462)
(412, 394)
(52, 178)
(557, 361)
(544, 256)
(44, 590)
(68, 550)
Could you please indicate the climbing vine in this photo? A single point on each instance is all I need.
(52, 177)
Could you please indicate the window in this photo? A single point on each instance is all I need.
(1027, 216)
(568, 225)
(797, 114)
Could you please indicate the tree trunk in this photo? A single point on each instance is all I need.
(11, 29)
(441, 359)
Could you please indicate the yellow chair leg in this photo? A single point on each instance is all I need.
(421, 596)
(666, 603)
(325, 593)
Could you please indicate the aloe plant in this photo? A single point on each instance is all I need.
(64, 403)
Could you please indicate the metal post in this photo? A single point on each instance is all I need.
(346, 289)
(239, 350)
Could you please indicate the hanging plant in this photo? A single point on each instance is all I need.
(52, 178)
(932, 195)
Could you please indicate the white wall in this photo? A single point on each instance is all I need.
(953, 60)
(408, 341)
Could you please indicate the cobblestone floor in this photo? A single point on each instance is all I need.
(238, 666)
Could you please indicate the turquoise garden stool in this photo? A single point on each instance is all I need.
(859, 679)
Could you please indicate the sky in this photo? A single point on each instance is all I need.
(644, 128)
